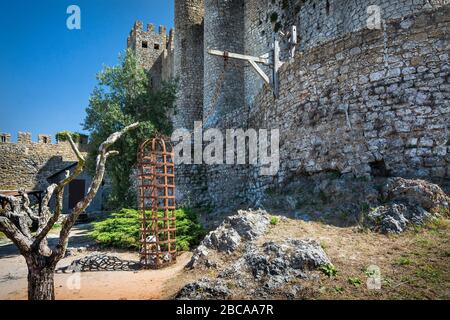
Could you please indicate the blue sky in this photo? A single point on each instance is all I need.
(47, 72)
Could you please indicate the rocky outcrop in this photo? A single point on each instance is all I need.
(246, 225)
(262, 270)
(395, 218)
(408, 202)
(415, 193)
(228, 237)
(276, 264)
(204, 289)
(244, 264)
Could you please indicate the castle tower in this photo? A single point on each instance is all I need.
(188, 61)
(149, 47)
(224, 30)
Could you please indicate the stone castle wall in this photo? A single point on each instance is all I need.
(188, 61)
(224, 25)
(367, 101)
(27, 164)
(354, 101)
(317, 22)
(189, 70)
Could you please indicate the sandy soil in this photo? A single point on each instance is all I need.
(142, 285)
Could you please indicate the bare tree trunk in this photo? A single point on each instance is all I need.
(41, 284)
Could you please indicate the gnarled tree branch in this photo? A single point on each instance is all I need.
(95, 185)
(15, 235)
(59, 192)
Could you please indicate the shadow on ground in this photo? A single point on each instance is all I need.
(79, 237)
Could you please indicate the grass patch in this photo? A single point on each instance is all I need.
(403, 261)
(329, 270)
(274, 221)
(443, 211)
(121, 230)
(356, 282)
(339, 289)
(430, 274)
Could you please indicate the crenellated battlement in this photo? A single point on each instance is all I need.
(27, 163)
(154, 51)
(26, 138)
(138, 28)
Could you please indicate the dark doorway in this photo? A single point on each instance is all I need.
(76, 192)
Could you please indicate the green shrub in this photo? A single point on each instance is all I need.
(76, 137)
(329, 270)
(274, 221)
(121, 230)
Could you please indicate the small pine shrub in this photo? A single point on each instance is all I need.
(121, 230)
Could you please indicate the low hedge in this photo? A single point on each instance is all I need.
(121, 230)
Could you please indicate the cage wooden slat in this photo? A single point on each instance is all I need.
(157, 207)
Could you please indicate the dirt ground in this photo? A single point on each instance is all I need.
(142, 285)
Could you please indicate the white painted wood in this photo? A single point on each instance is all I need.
(261, 59)
(260, 72)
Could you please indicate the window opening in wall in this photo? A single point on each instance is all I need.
(328, 7)
(144, 44)
(3, 138)
(45, 139)
(156, 46)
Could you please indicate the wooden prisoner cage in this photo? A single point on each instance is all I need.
(157, 203)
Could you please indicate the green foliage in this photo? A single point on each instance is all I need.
(2, 235)
(329, 270)
(274, 221)
(76, 136)
(403, 261)
(443, 211)
(355, 282)
(56, 226)
(430, 274)
(370, 273)
(339, 289)
(121, 230)
(123, 96)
